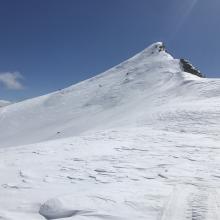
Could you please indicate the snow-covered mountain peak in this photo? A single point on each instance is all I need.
(157, 49)
(139, 141)
(129, 94)
(153, 56)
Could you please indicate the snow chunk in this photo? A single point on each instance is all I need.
(88, 207)
(54, 209)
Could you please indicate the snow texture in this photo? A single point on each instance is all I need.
(139, 141)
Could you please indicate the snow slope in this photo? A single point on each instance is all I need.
(147, 89)
(127, 174)
(140, 141)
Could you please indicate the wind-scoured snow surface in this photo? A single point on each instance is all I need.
(139, 141)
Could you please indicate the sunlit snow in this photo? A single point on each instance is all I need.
(139, 141)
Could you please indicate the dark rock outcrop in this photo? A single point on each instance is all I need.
(189, 68)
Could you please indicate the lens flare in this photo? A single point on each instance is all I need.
(184, 17)
(188, 12)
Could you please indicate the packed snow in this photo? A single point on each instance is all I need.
(139, 141)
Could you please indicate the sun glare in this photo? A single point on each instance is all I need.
(184, 17)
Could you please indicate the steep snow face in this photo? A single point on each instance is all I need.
(149, 89)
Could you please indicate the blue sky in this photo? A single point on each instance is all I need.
(47, 45)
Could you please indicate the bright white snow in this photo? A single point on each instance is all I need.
(140, 141)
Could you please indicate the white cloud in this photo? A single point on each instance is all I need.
(11, 80)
